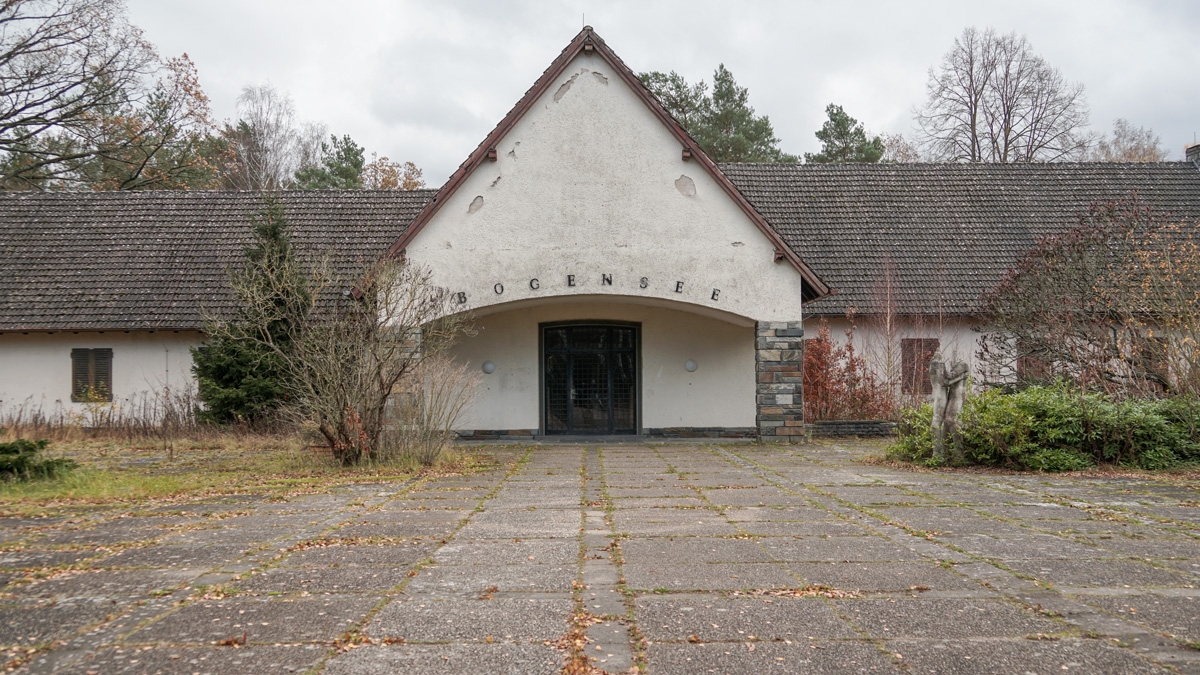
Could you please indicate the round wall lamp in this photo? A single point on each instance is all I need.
(489, 367)
(690, 366)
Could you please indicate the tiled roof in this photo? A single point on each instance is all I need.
(950, 230)
(160, 260)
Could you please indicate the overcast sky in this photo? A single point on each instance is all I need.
(426, 81)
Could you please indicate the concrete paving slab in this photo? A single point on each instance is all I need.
(33, 558)
(410, 516)
(404, 554)
(1157, 548)
(658, 503)
(394, 530)
(1005, 657)
(33, 624)
(1031, 546)
(667, 522)
(690, 550)
(464, 551)
(348, 579)
(272, 660)
(120, 585)
(818, 658)
(499, 658)
(258, 620)
(778, 513)
(219, 535)
(884, 576)
(1175, 616)
(715, 618)
(180, 556)
(1117, 573)
(424, 619)
(695, 557)
(813, 528)
(837, 549)
(943, 618)
(709, 577)
(477, 579)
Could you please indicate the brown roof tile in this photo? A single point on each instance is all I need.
(950, 230)
(160, 260)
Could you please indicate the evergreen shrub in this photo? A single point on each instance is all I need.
(20, 460)
(1059, 428)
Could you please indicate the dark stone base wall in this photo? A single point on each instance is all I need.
(660, 433)
(702, 432)
(861, 428)
(496, 434)
(778, 362)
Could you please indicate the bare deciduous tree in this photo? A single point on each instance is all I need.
(993, 99)
(350, 353)
(1112, 304)
(898, 149)
(62, 63)
(269, 143)
(1129, 144)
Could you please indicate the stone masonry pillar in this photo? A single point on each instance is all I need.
(778, 365)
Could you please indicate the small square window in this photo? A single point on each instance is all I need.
(915, 355)
(91, 375)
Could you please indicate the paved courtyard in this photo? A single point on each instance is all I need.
(678, 559)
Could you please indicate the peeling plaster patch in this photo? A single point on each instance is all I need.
(738, 243)
(686, 186)
(513, 153)
(566, 86)
(476, 204)
(600, 78)
(496, 181)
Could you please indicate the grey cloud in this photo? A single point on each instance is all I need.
(428, 80)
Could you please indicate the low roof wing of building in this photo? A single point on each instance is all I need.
(161, 260)
(949, 231)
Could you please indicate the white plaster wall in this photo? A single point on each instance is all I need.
(35, 368)
(720, 393)
(586, 185)
(958, 340)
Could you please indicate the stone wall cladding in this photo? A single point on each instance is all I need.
(860, 428)
(778, 365)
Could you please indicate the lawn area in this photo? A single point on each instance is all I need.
(112, 472)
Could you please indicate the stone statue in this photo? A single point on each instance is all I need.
(949, 394)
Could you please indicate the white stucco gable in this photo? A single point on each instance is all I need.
(589, 194)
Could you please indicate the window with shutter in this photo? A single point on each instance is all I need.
(91, 375)
(915, 355)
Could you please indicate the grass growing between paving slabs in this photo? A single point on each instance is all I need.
(111, 472)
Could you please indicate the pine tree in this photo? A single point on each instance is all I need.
(341, 167)
(723, 124)
(844, 140)
(238, 378)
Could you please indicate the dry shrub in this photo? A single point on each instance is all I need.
(425, 414)
(164, 414)
(838, 385)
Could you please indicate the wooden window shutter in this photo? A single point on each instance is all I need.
(102, 372)
(91, 374)
(81, 373)
(915, 355)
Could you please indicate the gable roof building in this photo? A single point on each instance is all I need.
(622, 281)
